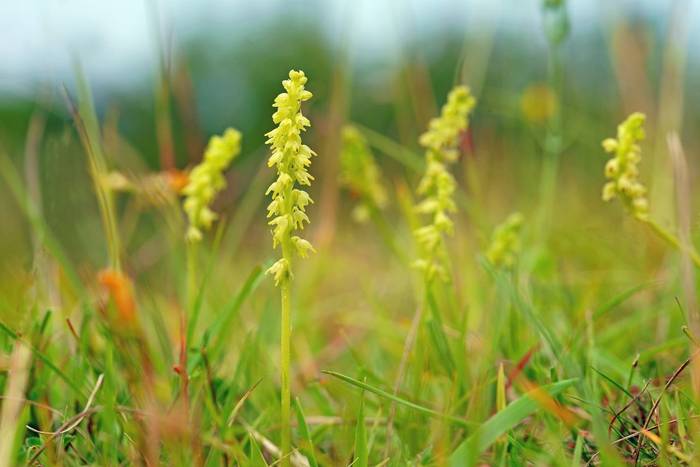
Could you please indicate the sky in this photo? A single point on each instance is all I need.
(116, 41)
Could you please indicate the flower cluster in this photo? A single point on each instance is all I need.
(441, 139)
(207, 179)
(505, 242)
(360, 174)
(437, 185)
(622, 171)
(291, 159)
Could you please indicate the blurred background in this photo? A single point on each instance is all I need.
(550, 77)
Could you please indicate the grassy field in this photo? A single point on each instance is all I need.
(461, 266)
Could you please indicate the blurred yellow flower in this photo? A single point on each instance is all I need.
(207, 179)
(438, 185)
(538, 103)
(622, 171)
(505, 242)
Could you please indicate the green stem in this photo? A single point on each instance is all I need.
(285, 350)
(286, 336)
(552, 138)
(110, 222)
(192, 310)
(672, 240)
(89, 132)
(106, 205)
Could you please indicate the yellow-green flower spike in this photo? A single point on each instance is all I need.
(360, 174)
(207, 179)
(622, 169)
(441, 139)
(505, 242)
(438, 185)
(291, 158)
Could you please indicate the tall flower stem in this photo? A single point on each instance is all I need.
(672, 240)
(191, 310)
(556, 28)
(291, 159)
(285, 358)
(285, 352)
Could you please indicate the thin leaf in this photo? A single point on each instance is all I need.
(578, 452)
(257, 459)
(201, 286)
(619, 300)
(361, 454)
(501, 389)
(38, 354)
(398, 400)
(221, 327)
(505, 420)
(306, 446)
(526, 308)
(613, 382)
(437, 334)
(393, 149)
(241, 401)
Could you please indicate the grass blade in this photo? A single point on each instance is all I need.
(398, 400)
(505, 420)
(437, 334)
(613, 382)
(38, 354)
(620, 299)
(393, 149)
(220, 328)
(578, 452)
(256, 457)
(306, 446)
(361, 454)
